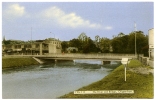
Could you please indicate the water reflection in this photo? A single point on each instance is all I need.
(50, 81)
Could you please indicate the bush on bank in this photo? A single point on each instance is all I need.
(142, 84)
(17, 62)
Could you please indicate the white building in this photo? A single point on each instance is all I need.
(151, 47)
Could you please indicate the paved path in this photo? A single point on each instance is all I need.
(142, 70)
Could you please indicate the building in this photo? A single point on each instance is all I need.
(151, 47)
(38, 47)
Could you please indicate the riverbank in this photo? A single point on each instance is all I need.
(139, 78)
(17, 62)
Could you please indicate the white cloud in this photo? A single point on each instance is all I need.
(70, 20)
(108, 28)
(14, 10)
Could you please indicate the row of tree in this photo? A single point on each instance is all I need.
(119, 44)
(126, 43)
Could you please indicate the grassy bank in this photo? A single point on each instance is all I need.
(17, 62)
(142, 84)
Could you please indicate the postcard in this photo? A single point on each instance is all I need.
(85, 50)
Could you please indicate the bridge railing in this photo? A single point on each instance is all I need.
(80, 55)
(94, 54)
(97, 55)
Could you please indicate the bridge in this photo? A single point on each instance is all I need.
(105, 57)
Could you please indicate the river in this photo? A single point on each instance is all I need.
(50, 81)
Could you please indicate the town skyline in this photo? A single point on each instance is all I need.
(67, 20)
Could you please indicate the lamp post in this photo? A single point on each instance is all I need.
(31, 40)
(135, 38)
(125, 62)
(135, 43)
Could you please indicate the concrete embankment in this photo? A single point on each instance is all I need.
(38, 60)
(141, 82)
(11, 62)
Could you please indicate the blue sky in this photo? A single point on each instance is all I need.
(67, 20)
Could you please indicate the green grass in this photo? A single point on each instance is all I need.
(135, 63)
(141, 84)
(17, 62)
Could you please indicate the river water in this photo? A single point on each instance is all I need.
(50, 81)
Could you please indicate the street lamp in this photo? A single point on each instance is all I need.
(135, 38)
(135, 45)
(125, 62)
(31, 40)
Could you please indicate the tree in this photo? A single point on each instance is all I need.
(75, 43)
(116, 45)
(90, 47)
(141, 41)
(105, 45)
(119, 44)
(82, 37)
(126, 43)
(64, 45)
(121, 34)
(97, 38)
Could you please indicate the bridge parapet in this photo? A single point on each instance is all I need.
(97, 55)
(80, 56)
